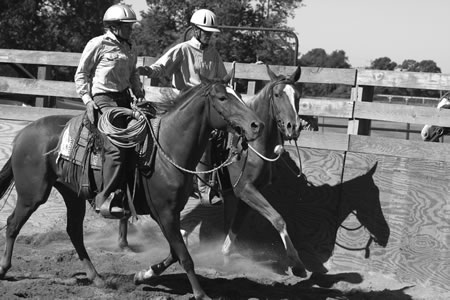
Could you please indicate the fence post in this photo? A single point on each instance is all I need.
(43, 74)
(360, 126)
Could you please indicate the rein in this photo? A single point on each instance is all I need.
(366, 248)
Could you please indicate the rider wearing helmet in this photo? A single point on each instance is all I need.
(185, 62)
(105, 74)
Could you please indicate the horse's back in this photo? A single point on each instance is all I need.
(37, 139)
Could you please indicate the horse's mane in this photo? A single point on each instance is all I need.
(262, 93)
(170, 101)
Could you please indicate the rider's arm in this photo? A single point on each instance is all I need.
(85, 70)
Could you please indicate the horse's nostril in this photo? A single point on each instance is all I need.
(256, 126)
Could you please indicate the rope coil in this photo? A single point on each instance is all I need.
(128, 137)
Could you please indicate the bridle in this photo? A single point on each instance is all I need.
(275, 114)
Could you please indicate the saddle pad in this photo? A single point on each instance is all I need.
(73, 142)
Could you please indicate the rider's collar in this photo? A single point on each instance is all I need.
(112, 36)
(197, 44)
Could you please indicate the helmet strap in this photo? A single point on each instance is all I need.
(114, 28)
(197, 34)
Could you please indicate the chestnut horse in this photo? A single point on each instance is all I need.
(183, 134)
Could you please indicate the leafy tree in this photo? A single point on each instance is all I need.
(383, 63)
(51, 25)
(423, 66)
(165, 23)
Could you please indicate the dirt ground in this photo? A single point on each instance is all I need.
(45, 266)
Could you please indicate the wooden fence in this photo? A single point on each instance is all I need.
(411, 183)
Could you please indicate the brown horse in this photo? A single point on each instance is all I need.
(183, 134)
(277, 105)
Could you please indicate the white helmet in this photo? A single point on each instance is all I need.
(205, 20)
(120, 13)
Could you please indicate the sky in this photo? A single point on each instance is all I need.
(369, 29)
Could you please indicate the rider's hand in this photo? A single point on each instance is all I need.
(90, 108)
(145, 71)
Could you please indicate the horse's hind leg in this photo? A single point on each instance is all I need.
(29, 198)
(76, 209)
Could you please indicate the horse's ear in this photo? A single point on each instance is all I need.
(296, 75)
(373, 169)
(272, 75)
(226, 79)
(230, 74)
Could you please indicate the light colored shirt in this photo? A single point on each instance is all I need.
(186, 61)
(107, 65)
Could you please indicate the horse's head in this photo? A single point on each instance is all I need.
(285, 98)
(228, 109)
(364, 199)
(432, 133)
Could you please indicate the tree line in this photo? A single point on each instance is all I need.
(67, 25)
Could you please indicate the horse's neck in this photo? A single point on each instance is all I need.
(184, 132)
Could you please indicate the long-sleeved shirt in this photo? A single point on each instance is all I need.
(107, 65)
(186, 61)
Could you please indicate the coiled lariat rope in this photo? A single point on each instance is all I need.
(128, 137)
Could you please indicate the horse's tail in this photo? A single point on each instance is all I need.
(6, 178)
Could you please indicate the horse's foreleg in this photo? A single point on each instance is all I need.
(170, 226)
(156, 269)
(76, 208)
(253, 198)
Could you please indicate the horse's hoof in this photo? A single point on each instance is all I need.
(3, 272)
(126, 249)
(142, 276)
(99, 282)
(299, 272)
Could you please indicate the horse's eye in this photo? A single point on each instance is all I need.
(277, 95)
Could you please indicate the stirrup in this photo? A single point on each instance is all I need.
(112, 212)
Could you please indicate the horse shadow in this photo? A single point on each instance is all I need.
(314, 288)
(313, 215)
